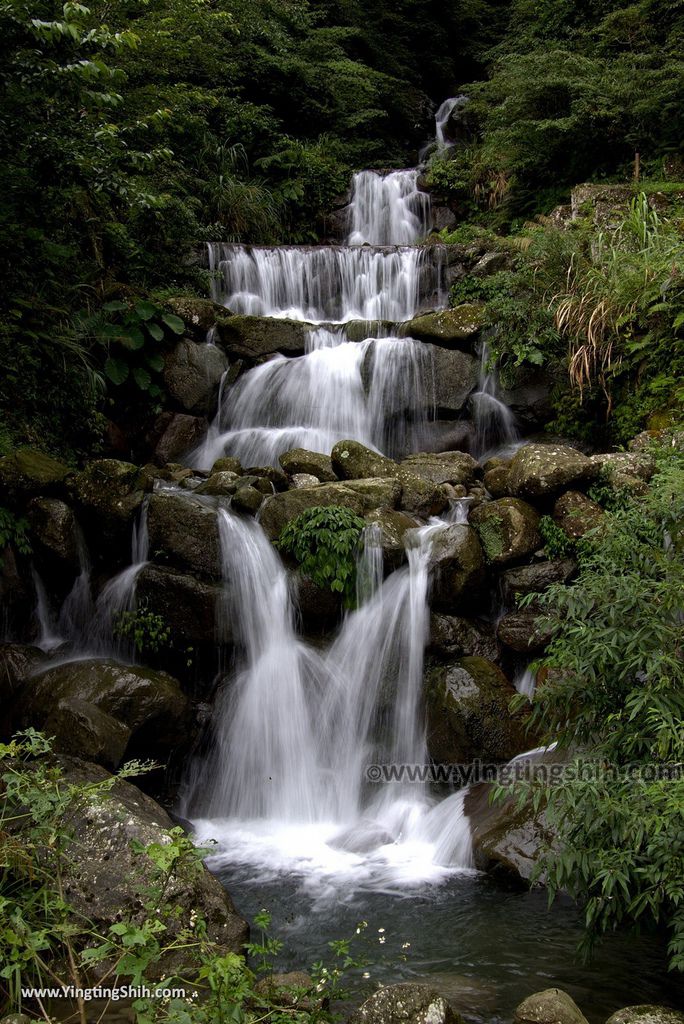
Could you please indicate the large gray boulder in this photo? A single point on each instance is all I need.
(443, 467)
(406, 1003)
(539, 470)
(507, 840)
(646, 1014)
(299, 460)
(187, 605)
(552, 1006)
(453, 328)
(106, 879)
(524, 631)
(534, 579)
(454, 637)
(54, 531)
(508, 529)
(200, 315)
(26, 473)
(81, 729)
(526, 390)
(252, 337)
(468, 713)
(149, 704)
(640, 464)
(457, 568)
(178, 434)
(192, 375)
(392, 526)
(352, 460)
(577, 514)
(278, 510)
(455, 375)
(183, 532)
(109, 494)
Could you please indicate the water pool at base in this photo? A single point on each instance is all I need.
(481, 945)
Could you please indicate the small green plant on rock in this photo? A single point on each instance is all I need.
(147, 630)
(13, 531)
(557, 544)
(324, 541)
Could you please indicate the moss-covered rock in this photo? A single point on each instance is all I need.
(188, 606)
(392, 526)
(228, 464)
(443, 467)
(451, 327)
(199, 315)
(540, 470)
(406, 1003)
(280, 509)
(552, 1006)
(468, 713)
(457, 568)
(109, 494)
(352, 460)
(640, 464)
(83, 730)
(26, 473)
(534, 579)
(508, 529)
(299, 460)
(248, 500)
(497, 481)
(251, 337)
(183, 532)
(452, 636)
(219, 484)
(524, 631)
(192, 375)
(576, 514)
(646, 1014)
(54, 531)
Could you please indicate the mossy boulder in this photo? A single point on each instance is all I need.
(54, 531)
(221, 484)
(178, 434)
(150, 704)
(640, 464)
(534, 579)
(81, 729)
(552, 1006)
(352, 460)
(457, 568)
(497, 481)
(26, 473)
(229, 464)
(508, 529)
(540, 470)
(199, 315)
(248, 500)
(577, 514)
(524, 631)
(406, 1003)
(393, 526)
(281, 508)
(468, 713)
(646, 1013)
(187, 605)
(450, 327)
(192, 375)
(443, 467)
(299, 460)
(452, 636)
(252, 337)
(183, 532)
(109, 495)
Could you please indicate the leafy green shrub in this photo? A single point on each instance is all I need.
(557, 544)
(325, 541)
(14, 531)
(614, 690)
(147, 631)
(132, 334)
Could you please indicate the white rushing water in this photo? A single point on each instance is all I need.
(388, 209)
(442, 117)
(495, 425)
(289, 785)
(372, 391)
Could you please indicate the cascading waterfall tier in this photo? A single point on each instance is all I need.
(372, 391)
(288, 779)
(327, 284)
(387, 209)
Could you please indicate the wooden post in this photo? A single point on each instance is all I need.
(637, 165)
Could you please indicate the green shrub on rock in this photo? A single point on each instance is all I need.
(324, 541)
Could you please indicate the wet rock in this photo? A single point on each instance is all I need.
(452, 636)
(180, 433)
(455, 375)
(507, 528)
(406, 1003)
(468, 713)
(83, 730)
(272, 475)
(249, 500)
(491, 263)
(496, 481)
(640, 464)
(538, 470)
(26, 473)
(200, 315)
(304, 480)
(278, 510)
(109, 494)
(221, 484)
(552, 1006)
(192, 375)
(442, 468)
(319, 608)
(447, 327)
(507, 840)
(150, 704)
(393, 526)
(445, 435)
(576, 514)
(188, 606)
(106, 879)
(227, 464)
(377, 492)
(457, 567)
(352, 461)
(183, 532)
(524, 631)
(54, 531)
(646, 1014)
(299, 460)
(251, 337)
(17, 662)
(526, 390)
(533, 579)
(442, 218)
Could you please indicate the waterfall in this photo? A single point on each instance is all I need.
(296, 730)
(77, 610)
(369, 564)
(525, 681)
(388, 209)
(48, 637)
(371, 391)
(325, 284)
(444, 112)
(495, 425)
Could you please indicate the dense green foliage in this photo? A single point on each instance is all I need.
(44, 941)
(325, 543)
(613, 697)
